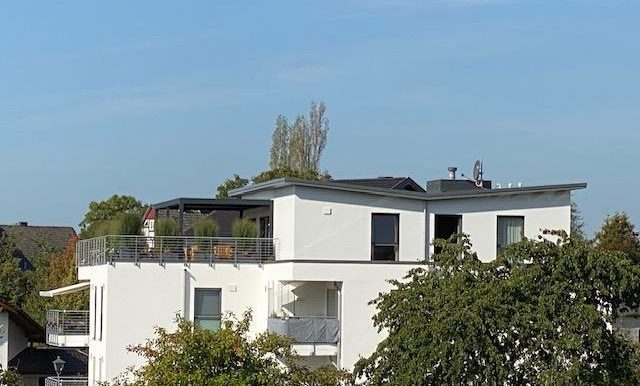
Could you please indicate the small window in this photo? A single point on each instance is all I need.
(384, 237)
(207, 312)
(446, 226)
(101, 310)
(510, 231)
(332, 303)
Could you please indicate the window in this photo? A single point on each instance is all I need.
(332, 303)
(95, 310)
(384, 237)
(446, 226)
(207, 308)
(101, 309)
(510, 230)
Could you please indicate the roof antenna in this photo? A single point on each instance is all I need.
(478, 173)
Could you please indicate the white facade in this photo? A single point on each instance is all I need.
(12, 339)
(324, 237)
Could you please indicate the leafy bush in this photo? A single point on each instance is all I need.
(244, 228)
(206, 227)
(128, 224)
(166, 227)
(104, 228)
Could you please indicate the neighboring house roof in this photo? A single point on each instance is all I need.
(149, 214)
(426, 196)
(39, 361)
(32, 330)
(33, 240)
(398, 183)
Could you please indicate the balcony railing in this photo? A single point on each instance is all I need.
(65, 381)
(68, 328)
(307, 329)
(161, 249)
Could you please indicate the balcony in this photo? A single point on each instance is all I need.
(165, 249)
(68, 328)
(307, 312)
(66, 381)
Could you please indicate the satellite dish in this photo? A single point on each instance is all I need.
(477, 172)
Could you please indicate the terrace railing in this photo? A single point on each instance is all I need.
(66, 381)
(67, 328)
(162, 249)
(307, 329)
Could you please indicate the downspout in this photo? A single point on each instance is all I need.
(185, 293)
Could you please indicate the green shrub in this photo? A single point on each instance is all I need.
(166, 227)
(206, 227)
(128, 224)
(104, 228)
(244, 228)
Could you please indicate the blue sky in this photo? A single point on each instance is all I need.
(160, 99)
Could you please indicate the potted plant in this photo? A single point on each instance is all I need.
(247, 231)
(165, 227)
(203, 230)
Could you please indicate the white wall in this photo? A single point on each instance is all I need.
(18, 341)
(4, 339)
(12, 339)
(361, 282)
(139, 298)
(479, 216)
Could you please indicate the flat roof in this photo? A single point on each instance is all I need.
(210, 203)
(425, 196)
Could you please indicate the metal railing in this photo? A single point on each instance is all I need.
(64, 323)
(307, 329)
(161, 249)
(66, 381)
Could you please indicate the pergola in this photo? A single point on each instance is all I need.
(208, 205)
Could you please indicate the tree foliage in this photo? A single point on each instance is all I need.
(229, 184)
(299, 146)
(197, 357)
(296, 151)
(577, 222)
(14, 282)
(547, 322)
(619, 234)
(101, 214)
(60, 272)
(9, 377)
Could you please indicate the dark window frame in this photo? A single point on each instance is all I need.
(435, 227)
(395, 245)
(500, 248)
(218, 316)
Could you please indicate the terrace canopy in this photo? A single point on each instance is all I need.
(185, 210)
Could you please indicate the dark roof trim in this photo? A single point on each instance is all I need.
(213, 203)
(287, 181)
(31, 328)
(384, 182)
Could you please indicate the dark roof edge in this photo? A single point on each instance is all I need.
(289, 181)
(203, 201)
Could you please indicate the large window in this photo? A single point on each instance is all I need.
(384, 237)
(510, 230)
(207, 312)
(446, 226)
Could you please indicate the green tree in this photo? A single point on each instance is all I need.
(60, 272)
(194, 356)
(107, 211)
(14, 282)
(229, 184)
(9, 377)
(618, 234)
(577, 222)
(296, 151)
(547, 322)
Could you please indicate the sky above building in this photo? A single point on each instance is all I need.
(164, 99)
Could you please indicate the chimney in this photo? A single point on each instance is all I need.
(452, 172)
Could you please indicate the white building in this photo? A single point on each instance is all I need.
(326, 249)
